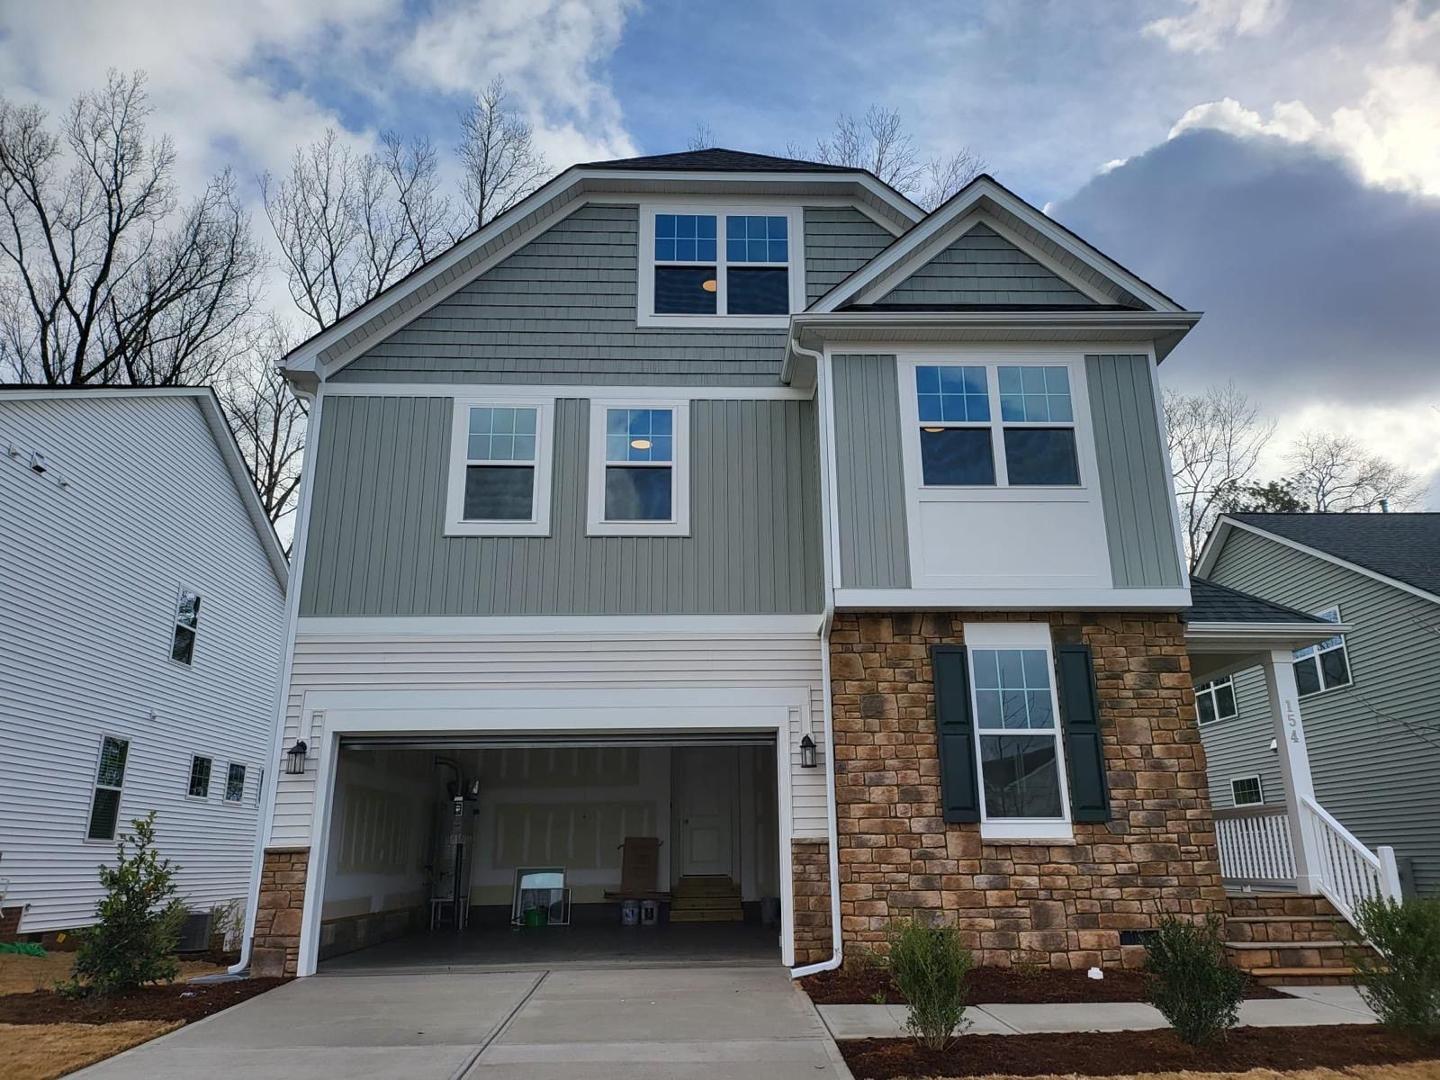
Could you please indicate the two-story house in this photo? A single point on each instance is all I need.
(733, 502)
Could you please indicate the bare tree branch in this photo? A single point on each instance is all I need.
(702, 138)
(1335, 473)
(498, 154)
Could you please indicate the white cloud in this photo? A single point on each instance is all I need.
(1408, 435)
(1208, 23)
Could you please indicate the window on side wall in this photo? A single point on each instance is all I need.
(187, 625)
(1325, 666)
(717, 266)
(639, 472)
(500, 469)
(996, 425)
(1215, 700)
(109, 782)
(199, 787)
(1247, 791)
(234, 783)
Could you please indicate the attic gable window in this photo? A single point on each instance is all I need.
(719, 266)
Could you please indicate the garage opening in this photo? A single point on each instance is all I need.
(547, 851)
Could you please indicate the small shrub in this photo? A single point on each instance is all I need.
(137, 920)
(1194, 986)
(929, 966)
(1400, 980)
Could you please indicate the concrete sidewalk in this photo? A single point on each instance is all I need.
(1307, 1006)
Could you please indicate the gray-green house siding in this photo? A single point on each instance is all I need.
(1240, 746)
(376, 544)
(982, 267)
(870, 477)
(1375, 767)
(562, 308)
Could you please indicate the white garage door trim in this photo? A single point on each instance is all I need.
(335, 716)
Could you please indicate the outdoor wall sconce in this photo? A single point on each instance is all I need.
(295, 758)
(807, 753)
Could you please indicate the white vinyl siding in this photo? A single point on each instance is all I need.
(335, 662)
(91, 573)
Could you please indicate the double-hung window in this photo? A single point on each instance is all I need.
(1324, 666)
(1215, 700)
(187, 624)
(996, 425)
(1017, 731)
(234, 783)
(500, 469)
(109, 781)
(639, 475)
(199, 777)
(719, 265)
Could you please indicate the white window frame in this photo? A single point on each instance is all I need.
(993, 361)
(1026, 635)
(679, 523)
(1259, 786)
(645, 315)
(239, 800)
(176, 626)
(539, 521)
(95, 786)
(1208, 688)
(189, 776)
(1314, 652)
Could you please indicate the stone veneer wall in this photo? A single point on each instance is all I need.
(276, 947)
(810, 872)
(1063, 905)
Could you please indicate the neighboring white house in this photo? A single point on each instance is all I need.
(142, 618)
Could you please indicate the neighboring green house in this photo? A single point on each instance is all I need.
(1370, 696)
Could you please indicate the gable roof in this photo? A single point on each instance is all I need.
(1211, 602)
(986, 201)
(209, 405)
(721, 159)
(1403, 549)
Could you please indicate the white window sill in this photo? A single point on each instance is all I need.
(1020, 831)
(637, 528)
(497, 528)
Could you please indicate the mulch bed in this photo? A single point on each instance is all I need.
(1116, 1053)
(995, 986)
(176, 1001)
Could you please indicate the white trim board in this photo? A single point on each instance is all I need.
(524, 391)
(578, 627)
(1216, 540)
(1014, 599)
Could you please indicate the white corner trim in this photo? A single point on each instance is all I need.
(538, 523)
(575, 627)
(679, 469)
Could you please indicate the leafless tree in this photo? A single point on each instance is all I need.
(350, 224)
(1215, 442)
(498, 155)
(104, 276)
(879, 142)
(1336, 473)
(267, 419)
(702, 138)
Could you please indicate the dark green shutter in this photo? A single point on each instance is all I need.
(959, 784)
(1080, 717)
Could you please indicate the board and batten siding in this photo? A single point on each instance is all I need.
(869, 474)
(1134, 488)
(561, 309)
(476, 664)
(376, 543)
(982, 267)
(1371, 769)
(91, 574)
(1240, 746)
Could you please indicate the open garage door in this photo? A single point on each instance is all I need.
(429, 836)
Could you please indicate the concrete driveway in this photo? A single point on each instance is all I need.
(700, 1023)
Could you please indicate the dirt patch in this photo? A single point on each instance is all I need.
(1419, 1070)
(1132, 1053)
(45, 1051)
(176, 1001)
(22, 974)
(995, 986)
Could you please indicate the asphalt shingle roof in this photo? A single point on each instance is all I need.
(1210, 602)
(1405, 547)
(718, 159)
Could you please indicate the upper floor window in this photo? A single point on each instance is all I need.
(500, 469)
(1324, 666)
(1215, 700)
(996, 425)
(199, 777)
(719, 266)
(187, 622)
(234, 783)
(639, 476)
(109, 780)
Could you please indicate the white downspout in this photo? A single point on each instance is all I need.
(830, 540)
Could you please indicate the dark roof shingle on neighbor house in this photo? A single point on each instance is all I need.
(1405, 547)
(718, 159)
(1213, 603)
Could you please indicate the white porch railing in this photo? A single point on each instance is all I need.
(1346, 869)
(1254, 845)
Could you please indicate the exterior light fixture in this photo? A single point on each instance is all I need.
(295, 758)
(807, 753)
(710, 284)
(640, 444)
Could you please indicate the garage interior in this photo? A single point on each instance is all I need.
(428, 840)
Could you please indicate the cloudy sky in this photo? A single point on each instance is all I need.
(1275, 164)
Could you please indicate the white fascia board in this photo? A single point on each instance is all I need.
(1216, 540)
(810, 328)
(526, 391)
(562, 626)
(1013, 599)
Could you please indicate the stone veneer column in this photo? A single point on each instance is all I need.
(275, 950)
(810, 871)
(1062, 905)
